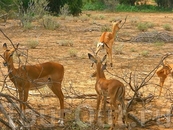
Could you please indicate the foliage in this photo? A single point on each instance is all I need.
(94, 6)
(167, 27)
(141, 8)
(49, 22)
(32, 44)
(73, 53)
(128, 2)
(64, 10)
(35, 9)
(142, 26)
(55, 5)
(7, 5)
(165, 3)
(75, 7)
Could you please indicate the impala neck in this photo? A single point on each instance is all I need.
(100, 73)
(11, 67)
(114, 29)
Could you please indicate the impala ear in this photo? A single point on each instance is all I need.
(5, 46)
(17, 45)
(103, 59)
(104, 66)
(92, 58)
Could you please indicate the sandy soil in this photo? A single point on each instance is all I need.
(75, 38)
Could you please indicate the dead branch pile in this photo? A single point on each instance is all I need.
(13, 118)
(151, 37)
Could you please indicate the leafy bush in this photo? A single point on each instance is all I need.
(64, 11)
(49, 22)
(141, 8)
(167, 27)
(32, 44)
(94, 6)
(142, 26)
(35, 9)
(75, 7)
(165, 3)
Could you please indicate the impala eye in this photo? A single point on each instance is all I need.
(11, 54)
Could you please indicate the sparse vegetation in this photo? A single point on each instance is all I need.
(65, 43)
(49, 22)
(105, 28)
(73, 53)
(98, 17)
(142, 26)
(145, 53)
(84, 18)
(159, 44)
(167, 27)
(119, 49)
(32, 44)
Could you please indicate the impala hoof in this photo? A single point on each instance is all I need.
(111, 64)
(61, 123)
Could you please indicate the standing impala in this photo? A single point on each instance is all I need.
(112, 88)
(30, 77)
(163, 72)
(107, 39)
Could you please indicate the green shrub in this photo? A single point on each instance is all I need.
(145, 53)
(49, 22)
(35, 9)
(94, 6)
(142, 26)
(27, 24)
(73, 53)
(32, 44)
(167, 27)
(75, 7)
(64, 11)
(105, 28)
(65, 43)
(158, 44)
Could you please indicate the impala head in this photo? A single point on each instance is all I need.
(164, 70)
(116, 24)
(8, 55)
(98, 63)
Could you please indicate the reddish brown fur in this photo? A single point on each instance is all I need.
(112, 88)
(162, 73)
(108, 38)
(29, 77)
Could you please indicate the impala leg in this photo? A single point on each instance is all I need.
(25, 98)
(58, 92)
(110, 57)
(97, 107)
(21, 99)
(114, 108)
(123, 109)
(104, 107)
(162, 80)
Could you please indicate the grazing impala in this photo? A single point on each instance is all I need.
(163, 72)
(107, 39)
(112, 88)
(30, 77)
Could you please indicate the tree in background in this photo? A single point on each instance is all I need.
(128, 2)
(7, 5)
(165, 3)
(75, 7)
(55, 5)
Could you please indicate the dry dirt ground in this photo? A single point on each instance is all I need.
(69, 45)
